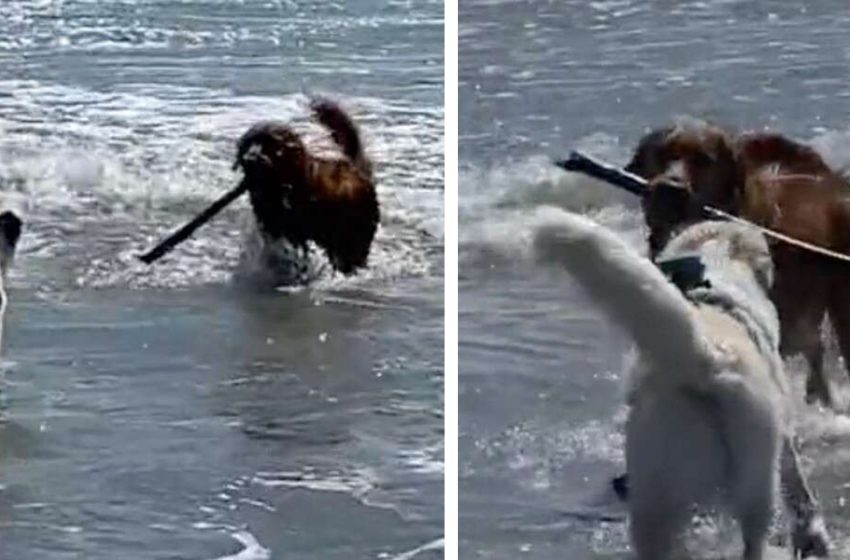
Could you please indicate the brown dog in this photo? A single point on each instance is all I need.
(776, 183)
(301, 197)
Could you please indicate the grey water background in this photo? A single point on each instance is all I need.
(540, 370)
(175, 411)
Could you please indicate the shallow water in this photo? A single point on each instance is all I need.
(541, 372)
(171, 411)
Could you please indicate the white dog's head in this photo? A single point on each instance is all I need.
(738, 273)
(727, 249)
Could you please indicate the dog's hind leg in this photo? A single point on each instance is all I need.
(653, 530)
(808, 532)
(839, 315)
(753, 506)
(672, 466)
(752, 457)
(817, 385)
(620, 485)
(657, 511)
(801, 301)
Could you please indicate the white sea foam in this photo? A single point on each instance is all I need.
(144, 159)
(435, 545)
(253, 549)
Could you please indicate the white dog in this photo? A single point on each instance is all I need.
(708, 417)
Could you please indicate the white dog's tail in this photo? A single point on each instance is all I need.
(628, 287)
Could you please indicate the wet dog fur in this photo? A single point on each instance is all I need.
(709, 366)
(301, 197)
(780, 184)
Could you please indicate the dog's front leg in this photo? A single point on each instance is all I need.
(808, 533)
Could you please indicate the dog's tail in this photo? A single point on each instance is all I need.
(343, 131)
(628, 287)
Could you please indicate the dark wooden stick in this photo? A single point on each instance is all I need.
(186, 231)
(581, 163)
(639, 186)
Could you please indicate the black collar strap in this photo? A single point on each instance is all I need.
(686, 273)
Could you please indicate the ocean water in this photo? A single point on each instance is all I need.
(541, 372)
(176, 411)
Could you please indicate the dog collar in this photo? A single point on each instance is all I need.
(686, 273)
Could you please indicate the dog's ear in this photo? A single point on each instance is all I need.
(730, 170)
(668, 208)
(648, 152)
(713, 165)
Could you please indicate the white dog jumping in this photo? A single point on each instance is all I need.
(708, 417)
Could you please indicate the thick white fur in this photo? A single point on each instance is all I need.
(708, 406)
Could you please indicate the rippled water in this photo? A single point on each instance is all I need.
(540, 385)
(170, 411)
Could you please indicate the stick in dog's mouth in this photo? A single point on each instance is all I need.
(580, 163)
(170, 242)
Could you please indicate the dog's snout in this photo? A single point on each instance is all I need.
(253, 156)
(676, 173)
(253, 153)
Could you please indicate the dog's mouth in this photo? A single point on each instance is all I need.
(253, 159)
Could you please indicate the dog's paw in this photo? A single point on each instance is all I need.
(620, 485)
(810, 540)
(818, 391)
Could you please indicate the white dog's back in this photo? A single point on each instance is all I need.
(706, 410)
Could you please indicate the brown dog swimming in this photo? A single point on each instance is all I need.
(300, 197)
(776, 183)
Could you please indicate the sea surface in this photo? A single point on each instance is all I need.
(541, 372)
(178, 411)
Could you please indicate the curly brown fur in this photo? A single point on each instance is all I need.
(776, 183)
(301, 197)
